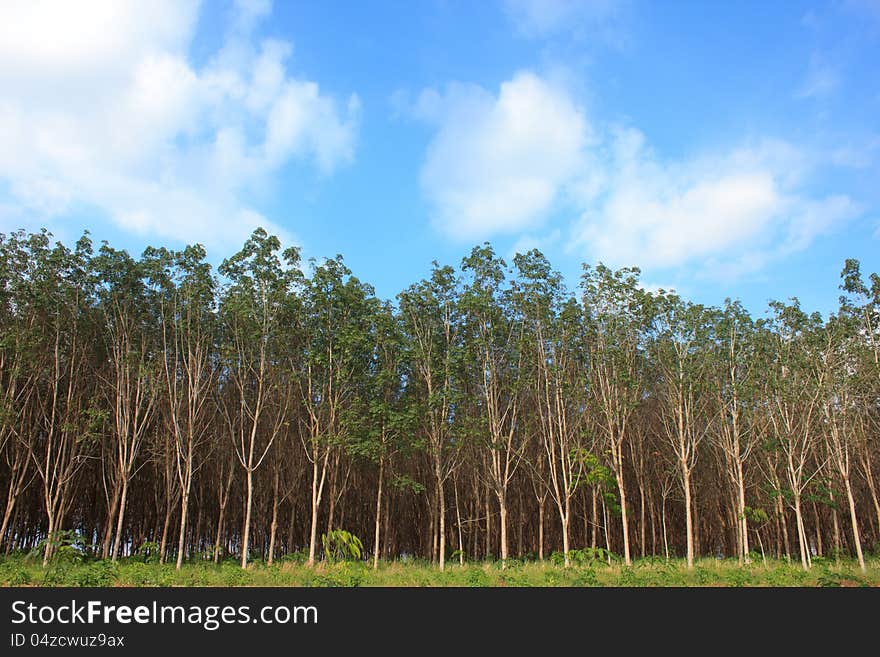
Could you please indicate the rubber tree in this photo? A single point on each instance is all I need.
(431, 316)
(337, 325)
(494, 365)
(256, 311)
(617, 313)
(682, 348)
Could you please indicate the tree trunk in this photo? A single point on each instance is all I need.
(541, 503)
(184, 512)
(689, 520)
(441, 528)
(110, 524)
(246, 532)
(857, 541)
(123, 497)
(502, 510)
(273, 527)
(802, 533)
(458, 523)
(741, 513)
(378, 512)
(624, 520)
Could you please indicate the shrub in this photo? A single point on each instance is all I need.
(340, 545)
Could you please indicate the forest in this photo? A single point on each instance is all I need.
(272, 407)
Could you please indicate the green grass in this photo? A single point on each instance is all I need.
(19, 570)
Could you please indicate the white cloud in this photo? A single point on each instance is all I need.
(511, 162)
(497, 163)
(543, 18)
(727, 213)
(102, 108)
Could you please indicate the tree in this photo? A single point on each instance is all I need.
(681, 349)
(432, 321)
(337, 312)
(184, 291)
(617, 313)
(132, 375)
(735, 396)
(255, 308)
(795, 385)
(493, 336)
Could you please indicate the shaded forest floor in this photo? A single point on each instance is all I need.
(19, 570)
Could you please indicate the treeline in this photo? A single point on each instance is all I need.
(490, 413)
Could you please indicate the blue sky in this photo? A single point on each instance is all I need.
(727, 149)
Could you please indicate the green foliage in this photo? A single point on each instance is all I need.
(341, 545)
(756, 515)
(67, 546)
(148, 551)
(405, 483)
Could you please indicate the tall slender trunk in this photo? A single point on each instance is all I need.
(441, 527)
(663, 522)
(642, 540)
(565, 540)
(835, 527)
(743, 523)
(378, 512)
(110, 525)
(541, 503)
(313, 528)
(184, 513)
(594, 493)
(273, 527)
(857, 541)
(780, 510)
(624, 517)
(123, 497)
(688, 514)
(802, 533)
(246, 531)
(502, 511)
(458, 524)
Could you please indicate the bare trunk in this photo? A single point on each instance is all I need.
(689, 520)
(219, 534)
(857, 541)
(378, 512)
(246, 531)
(541, 529)
(624, 520)
(802, 533)
(663, 522)
(642, 540)
(502, 510)
(741, 515)
(184, 512)
(110, 524)
(594, 493)
(7, 513)
(458, 523)
(123, 497)
(441, 528)
(47, 551)
(565, 541)
(273, 527)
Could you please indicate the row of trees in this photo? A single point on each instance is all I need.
(490, 413)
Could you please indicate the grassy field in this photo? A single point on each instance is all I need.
(19, 570)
